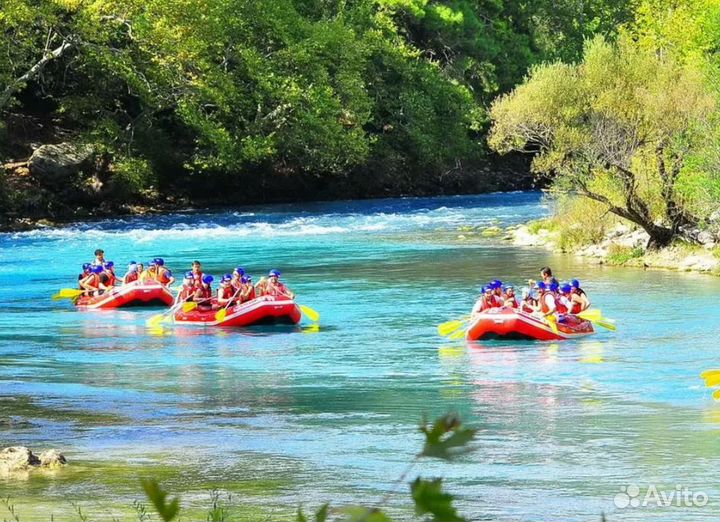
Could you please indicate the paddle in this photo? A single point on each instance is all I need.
(155, 320)
(459, 334)
(595, 316)
(552, 321)
(709, 373)
(449, 327)
(311, 314)
(67, 293)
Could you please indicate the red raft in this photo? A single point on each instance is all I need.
(150, 293)
(508, 323)
(262, 310)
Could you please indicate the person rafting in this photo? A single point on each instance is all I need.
(203, 293)
(196, 268)
(547, 300)
(511, 300)
(226, 294)
(162, 274)
(547, 275)
(247, 292)
(485, 301)
(91, 283)
(99, 257)
(261, 286)
(150, 273)
(132, 273)
(85, 272)
(187, 290)
(107, 276)
(275, 288)
(579, 298)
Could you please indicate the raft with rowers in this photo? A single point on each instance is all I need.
(546, 311)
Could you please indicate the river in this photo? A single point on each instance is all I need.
(279, 416)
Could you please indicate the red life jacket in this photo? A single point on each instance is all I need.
(163, 276)
(206, 292)
(560, 306)
(186, 291)
(278, 290)
(576, 308)
(251, 295)
(111, 279)
(94, 281)
(487, 304)
(131, 277)
(513, 302)
(227, 292)
(543, 302)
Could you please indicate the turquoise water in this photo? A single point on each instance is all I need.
(282, 415)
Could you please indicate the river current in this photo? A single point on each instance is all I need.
(279, 416)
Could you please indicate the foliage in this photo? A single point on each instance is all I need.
(622, 128)
(579, 221)
(619, 255)
(159, 498)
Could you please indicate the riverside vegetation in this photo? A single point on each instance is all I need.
(108, 104)
(628, 135)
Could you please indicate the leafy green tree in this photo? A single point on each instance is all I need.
(622, 128)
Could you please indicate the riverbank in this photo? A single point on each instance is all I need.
(622, 245)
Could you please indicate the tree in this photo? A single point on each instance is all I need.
(621, 128)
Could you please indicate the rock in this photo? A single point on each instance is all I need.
(52, 458)
(20, 458)
(55, 166)
(17, 458)
(700, 263)
(619, 230)
(706, 238)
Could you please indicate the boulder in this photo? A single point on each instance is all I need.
(56, 166)
(17, 458)
(52, 458)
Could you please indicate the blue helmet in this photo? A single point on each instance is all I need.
(554, 286)
(566, 288)
(496, 283)
(86, 266)
(240, 270)
(97, 269)
(487, 288)
(189, 274)
(132, 267)
(132, 263)
(109, 265)
(208, 279)
(152, 263)
(541, 285)
(575, 283)
(274, 273)
(227, 277)
(159, 261)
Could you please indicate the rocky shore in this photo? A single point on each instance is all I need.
(19, 459)
(623, 245)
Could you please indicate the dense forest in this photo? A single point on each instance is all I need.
(105, 103)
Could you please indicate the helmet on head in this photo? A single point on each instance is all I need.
(274, 273)
(227, 277)
(86, 267)
(496, 283)
(486, 289)
(160, 261)
(240, 270)
(132, 267)
(189, 275)
(152, 263)
(97, 269)
(109, 265)
(554, 286)
(575, 283)
(541, 285)
(208, 279)
(566, 288)
(509, 287)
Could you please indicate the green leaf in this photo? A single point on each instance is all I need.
(446, 438)
(365, 514)
(300, 515)
(429, 498)
(167, 511)
(322, 513)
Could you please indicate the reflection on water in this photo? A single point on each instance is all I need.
(330, 412)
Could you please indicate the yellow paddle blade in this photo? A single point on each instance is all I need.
(220, 316)
(449, 327)
(605, 324)
(709, 373)
(67, 293)
(310, 313)
(592, 314)
(716, 395)
(460, 334)
(189, 307)
(712, 380)
(154, 321)
(552, 321)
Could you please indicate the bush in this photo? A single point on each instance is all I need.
(579, 221)
(619, 255)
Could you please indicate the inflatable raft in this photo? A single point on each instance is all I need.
(150, 293)
(508, 323)
(262, 310)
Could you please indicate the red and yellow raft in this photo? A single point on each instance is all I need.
(150, 293)
(262, 310)
(508, 323)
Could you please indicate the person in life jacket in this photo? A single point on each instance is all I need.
(99, 257)
(511, 300)
(91, 284)
(579, 298)
(85, 272)
(196, 268)
(163, 274)
(486, 301)
(107, 277)
(261, 286)
(187, 291)
(203, 294)
(562, 300)
(498, 295)
(529, 301)
(132, 273)
(150, 274)
(547, 275)
(226, 294)
(546, 301)
(247, 290)
(275, 288)
(237, 276)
